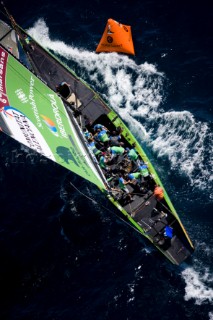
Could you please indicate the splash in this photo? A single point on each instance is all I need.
(185, 142)
(198, 285)
(136, 93)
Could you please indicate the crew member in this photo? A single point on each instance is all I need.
(122, 185)
(144, 170)
(102, 136)
(87, 134)
(132, 154)
(158, 192)
(103, 162)
(99, 126)
(63, 89)
(116, 151)
(93, 147)
(115, 140)
(135, 177)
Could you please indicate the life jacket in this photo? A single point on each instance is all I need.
(93, 148)
(132, 154)
(144, 170)
(87, 134)
(102, 136)
(134, 175)
(28, 40)
(121, 183)
(117, 150)
(102, 162)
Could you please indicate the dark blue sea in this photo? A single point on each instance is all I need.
(64, 257)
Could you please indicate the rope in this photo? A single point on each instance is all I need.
(130, 208)
(93, 200)
(165, 207)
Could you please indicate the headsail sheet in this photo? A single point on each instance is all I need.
(34, 115)
(117, 37)
(8, 38)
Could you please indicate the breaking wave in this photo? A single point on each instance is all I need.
(198, 276)
(210, 315)
(198, 285)
(136, 92)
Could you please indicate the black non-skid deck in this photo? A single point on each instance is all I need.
(53, 73)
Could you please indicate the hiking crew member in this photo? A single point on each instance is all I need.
(135, 177)
(99, 126)
(116, 151)
(122, 185)
(87, 134)
(103, 163)
(93, 147)
(158, 192)
(144, 170)
(132, 154)
(115, 139)
(102, 136)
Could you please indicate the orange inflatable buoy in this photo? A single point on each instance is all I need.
(158, 192)
(117, 37)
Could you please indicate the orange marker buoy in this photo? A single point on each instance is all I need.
(117, 37)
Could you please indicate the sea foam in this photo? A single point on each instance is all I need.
(198, 285)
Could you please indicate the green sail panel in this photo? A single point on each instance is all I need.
(34, 115)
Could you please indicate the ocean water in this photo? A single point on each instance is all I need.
(64, 256)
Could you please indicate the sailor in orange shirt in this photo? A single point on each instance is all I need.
(158, 192)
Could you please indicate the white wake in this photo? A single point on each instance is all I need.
(199, 285)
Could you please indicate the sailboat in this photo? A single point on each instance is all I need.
(70, 124)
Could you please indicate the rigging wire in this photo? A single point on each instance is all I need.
(4, 12)
(93, 200)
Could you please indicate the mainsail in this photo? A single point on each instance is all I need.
(34, 115)
(117, 37)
